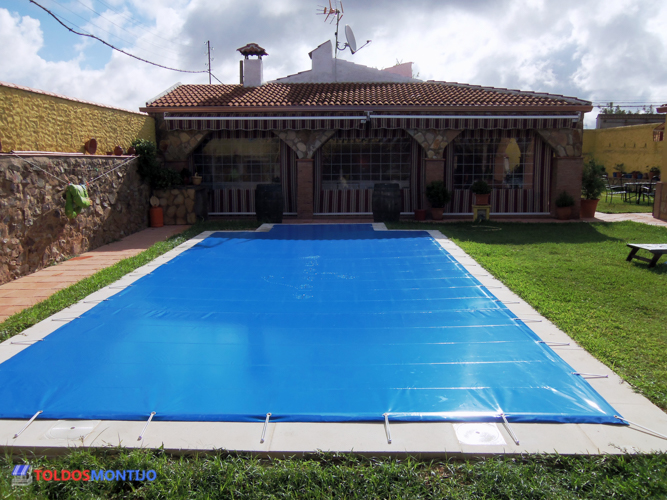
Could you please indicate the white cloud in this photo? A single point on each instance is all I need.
(592, 50)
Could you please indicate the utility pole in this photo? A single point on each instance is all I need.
(208, 46)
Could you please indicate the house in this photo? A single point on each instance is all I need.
(330, 133)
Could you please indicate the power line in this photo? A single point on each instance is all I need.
(102, 29)
(115, 48)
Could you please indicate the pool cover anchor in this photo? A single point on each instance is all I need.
(266, 423)
(386, 427)
(509, 429)
(641, 427)
(550, 344)
(29, 422)
(141, 436)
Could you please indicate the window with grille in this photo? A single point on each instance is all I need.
(231, 161)
(359, 163)
(504, 163)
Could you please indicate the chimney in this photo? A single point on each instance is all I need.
(252, 72)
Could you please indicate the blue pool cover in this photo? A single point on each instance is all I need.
(311, 323)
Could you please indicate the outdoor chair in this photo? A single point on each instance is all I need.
(648, 192)
(611, 190)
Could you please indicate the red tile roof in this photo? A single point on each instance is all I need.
(376, 95)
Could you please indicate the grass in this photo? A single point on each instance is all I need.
(66, 297)
(623, 207)
(222, 475)
(576, 275)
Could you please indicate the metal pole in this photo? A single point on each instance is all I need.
(208, 46)
(386, 427)
(26, 425)
(509, 429)
(266, 423)
(141, 436)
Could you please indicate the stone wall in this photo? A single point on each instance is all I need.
(33, 120)
(178, 204)
(34, 230)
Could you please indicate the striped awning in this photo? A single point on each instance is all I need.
(359, 122)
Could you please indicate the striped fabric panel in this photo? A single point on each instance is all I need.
(347, 201)
(472, 123)
(288, 176)
(233, 200)
(416, 179)
(262, 125)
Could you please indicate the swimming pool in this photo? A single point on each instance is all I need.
(311, 323)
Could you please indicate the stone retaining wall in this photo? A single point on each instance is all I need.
(34, 230)
(178, 205)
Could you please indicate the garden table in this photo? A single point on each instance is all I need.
(657, 250)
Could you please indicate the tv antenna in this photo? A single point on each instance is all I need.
(208, 66)
(335, 12)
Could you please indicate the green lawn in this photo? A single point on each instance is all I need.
(574, 274)
(577, 276)
(224, 475)
(623, 207)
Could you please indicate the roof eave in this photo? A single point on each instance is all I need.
(374, 109)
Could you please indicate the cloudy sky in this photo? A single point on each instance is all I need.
(600, 50)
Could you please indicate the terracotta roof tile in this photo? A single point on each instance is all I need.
(356, 94)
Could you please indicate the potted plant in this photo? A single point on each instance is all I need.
(482, 192)
(619, 170)
(564, 204)
(438, 197)
(592, 186)
(653, 172)
(196, 179)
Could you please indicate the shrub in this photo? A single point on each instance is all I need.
(437, 194)
(149, 167)
(564, 200)
(480, 187)
(592, 184)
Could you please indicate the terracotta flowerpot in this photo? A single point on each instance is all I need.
(563, 213)
(91, 146)
(587, 210)
(118, 151)
(157, 217)
(420, 214)
(436, 213)
(482, 199)
(132, 150)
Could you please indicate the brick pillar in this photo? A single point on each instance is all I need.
(434, 171)
(304, 188)
(660, 202)
(566, 176)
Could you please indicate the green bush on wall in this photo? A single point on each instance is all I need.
(149, 167)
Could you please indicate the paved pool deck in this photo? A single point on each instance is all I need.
(27, 291)
(285, 439)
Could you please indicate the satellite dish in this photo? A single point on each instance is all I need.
(351, 41)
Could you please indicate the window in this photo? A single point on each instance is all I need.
(359, 163)
(504, 163)
(223, 161)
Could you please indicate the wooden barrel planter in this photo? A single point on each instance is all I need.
(269, 203)
(386, 202)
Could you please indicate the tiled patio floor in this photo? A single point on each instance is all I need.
(29, 290)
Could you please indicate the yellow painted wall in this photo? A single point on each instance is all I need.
(35, 121)
(632, 146)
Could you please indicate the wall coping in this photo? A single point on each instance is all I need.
(73, 99)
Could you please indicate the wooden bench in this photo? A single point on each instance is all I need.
(656, 250)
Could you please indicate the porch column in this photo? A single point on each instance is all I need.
(566, 176)
(304, 188)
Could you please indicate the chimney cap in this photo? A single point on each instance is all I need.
(252, 49)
